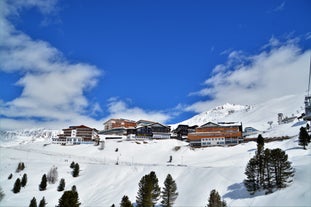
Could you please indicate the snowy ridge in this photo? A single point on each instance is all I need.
(256, 116)
(8, 138)
(215, 115)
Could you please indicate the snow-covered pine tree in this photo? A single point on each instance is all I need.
(215, 200)
(52, 175)
(33, 202)
(125, 202)
(42, 185)
(17, 186)
(169, 192)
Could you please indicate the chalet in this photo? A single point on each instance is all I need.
(119, 127)
(211, 134)
(153, 130)
(76, 135)
(142, 122)
(118, 123)
(250, 131)
(182, 130)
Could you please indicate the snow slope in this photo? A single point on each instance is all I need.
(196, 171)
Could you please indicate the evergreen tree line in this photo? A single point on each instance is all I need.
(33, 202)
(69, 198)
(75, 169)
(304, 137)
(19, 183)
(268, 169)
(20, 167)
(149, 193)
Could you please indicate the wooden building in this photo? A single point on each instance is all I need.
(211, 134)
(77, 135)
(119, 127)
(119, 123)
(182, 131)
(153, 130)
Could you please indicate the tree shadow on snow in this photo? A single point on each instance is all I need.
(251, 150)
(294, 148)
(237, 191)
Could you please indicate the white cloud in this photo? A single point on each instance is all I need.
(120, 109)
(53, 89)
(278, 71)
(280, 7)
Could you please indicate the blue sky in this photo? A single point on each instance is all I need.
(73, 62)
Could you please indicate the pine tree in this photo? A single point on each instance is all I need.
(143, 196)
(156, 190)
(42, 202)
(1, 194)
(260, 158)
(282, 169)
(74, 188)
(125, 202)
(10, 176)
(33, 202)
(277, 171)
(72, 165)
(17, 186)
(215, 200)
(24, 180)
(251, 172)
(76, 170)
(52, 175)
(20, 167)
(303, 137)
(149, 191)
(169, 193)
(260, 143)
(61, 185)
(69, 199)
(42, 185)
(268, 176)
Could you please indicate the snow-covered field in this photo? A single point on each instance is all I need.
(196, 172)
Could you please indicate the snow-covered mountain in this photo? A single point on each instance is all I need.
(256, 116)
(27, 135)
